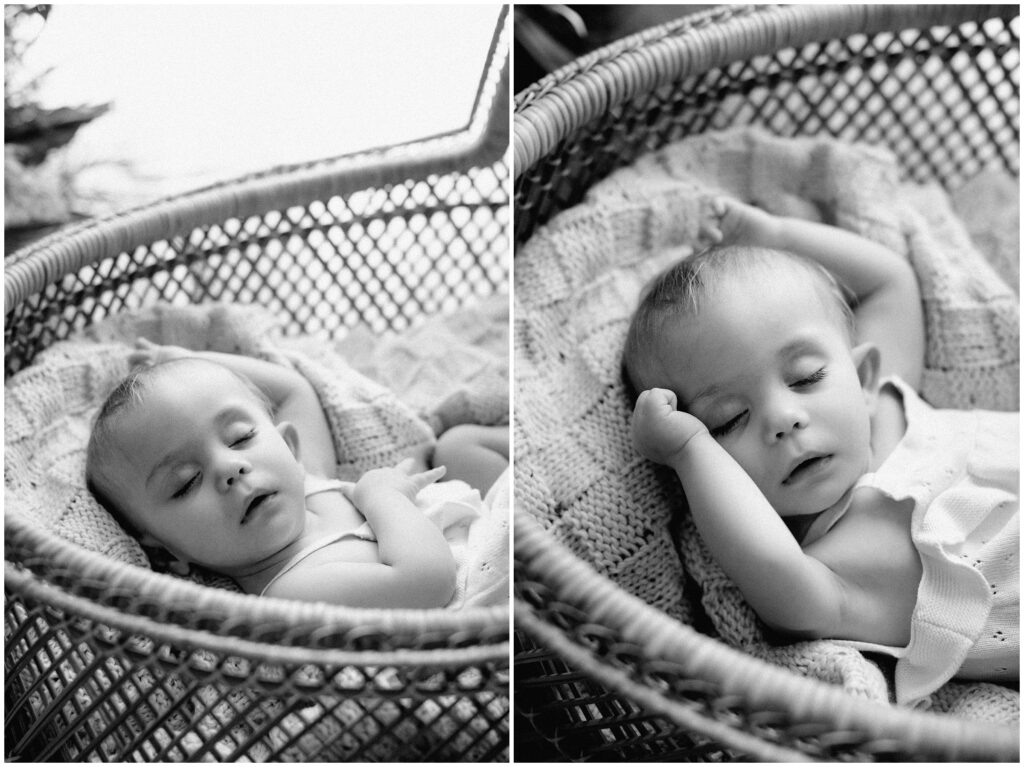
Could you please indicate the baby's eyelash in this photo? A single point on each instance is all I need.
(813, 378)
(728, 426)
(186, 488)
(244, 438)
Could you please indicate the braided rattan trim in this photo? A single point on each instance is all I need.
(569, 98)
(143, 595)
(761, 686)
(652, 701)
(25, 583)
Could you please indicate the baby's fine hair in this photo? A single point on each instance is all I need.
(126, 396)
(684, 288)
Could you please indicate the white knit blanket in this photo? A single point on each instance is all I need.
(49, 408)
(577, 282)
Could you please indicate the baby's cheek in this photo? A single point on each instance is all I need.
(747, 456)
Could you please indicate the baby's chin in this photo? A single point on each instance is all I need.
(817, 503)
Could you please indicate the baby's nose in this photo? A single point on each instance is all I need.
(232, 472)
(786, 429)
(785, 420)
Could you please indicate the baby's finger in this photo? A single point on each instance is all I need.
(430, 476)
(405, 464)
(664, 398)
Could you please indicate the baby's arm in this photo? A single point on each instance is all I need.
(416, 567)
(788, 589)
(292, 398)
(473, 453)
(887, 303)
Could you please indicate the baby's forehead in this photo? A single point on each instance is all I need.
(749, 301)
(176, 384)
(191, 368)
(191, 374)
(801, 282)
(772, 269)
(181, 395)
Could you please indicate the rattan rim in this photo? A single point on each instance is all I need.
(176, 600)
(482, 142)
(569, 98)
(183, 637)
(761, 685)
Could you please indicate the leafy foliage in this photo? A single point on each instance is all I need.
(38, 188)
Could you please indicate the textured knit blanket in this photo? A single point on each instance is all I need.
(577, 282)
(50, 406)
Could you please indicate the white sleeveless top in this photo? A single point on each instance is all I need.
(452, 506)
(315, 485)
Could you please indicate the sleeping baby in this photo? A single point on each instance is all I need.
(226, 462)
(840, 503)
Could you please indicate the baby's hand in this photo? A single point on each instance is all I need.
(148, 353)
(661, 431)
(736, 223)
(399, 479)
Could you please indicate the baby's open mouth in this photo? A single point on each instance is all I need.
(806, 467)
(256, 502)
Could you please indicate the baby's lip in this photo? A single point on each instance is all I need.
(804, 464)
(253, 502)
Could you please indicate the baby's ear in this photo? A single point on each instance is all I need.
(147, 539)
(290, 435)
(867, 360)
(162, 559)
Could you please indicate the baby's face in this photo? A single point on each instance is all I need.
(205, 473)
(770, 372)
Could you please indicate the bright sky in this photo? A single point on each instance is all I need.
(203, 92)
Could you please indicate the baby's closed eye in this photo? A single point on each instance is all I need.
(809, 380)
(190, 483)
(243, 438)
(728, 425)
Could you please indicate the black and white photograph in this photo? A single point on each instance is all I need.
(512, 382)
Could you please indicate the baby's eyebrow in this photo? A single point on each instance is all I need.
(708, 392)
(164, 463)
(796, 347)
(708, 395)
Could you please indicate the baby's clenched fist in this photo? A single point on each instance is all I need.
(661, 431)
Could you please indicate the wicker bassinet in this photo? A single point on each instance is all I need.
(110, 662)
(600, 674)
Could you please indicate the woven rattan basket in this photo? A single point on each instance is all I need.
(111, 662)
(599, 673)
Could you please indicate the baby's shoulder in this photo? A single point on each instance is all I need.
(873, 535)
(872, 553)
(329, 505)
(335, 571)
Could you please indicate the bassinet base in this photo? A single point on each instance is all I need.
(105, 695)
